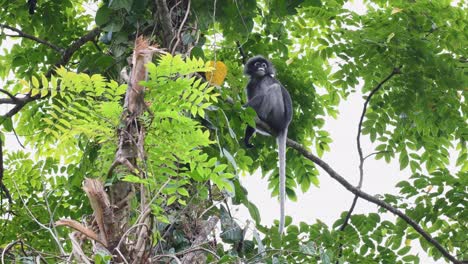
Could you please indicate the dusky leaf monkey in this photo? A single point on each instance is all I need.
(273, 105)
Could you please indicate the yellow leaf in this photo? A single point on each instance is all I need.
(35, 82)
(24, 83)
(396, 10)
(218, 74)
(34, 91)
(407, 242)
(44, 92)
(53, 82)
(45, 82)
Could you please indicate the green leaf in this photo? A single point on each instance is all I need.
(404, 251)
(171, 200)
(403, 160)
(254, 212)
(7, 123)
(183, 191)
(119, 4)
(102, 15)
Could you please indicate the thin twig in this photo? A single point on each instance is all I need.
(57, 240)
(359, 148)
(197, 249)
(128, 231)
(375, 153)
(77, 250)
(177, 260)
(51, 216)
(17, 138)
(7, 248)
(187, 12)
(361, 120)
(242, 53)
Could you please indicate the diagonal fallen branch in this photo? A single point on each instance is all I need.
(81, 228)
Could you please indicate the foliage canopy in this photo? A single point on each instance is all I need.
(64, 94)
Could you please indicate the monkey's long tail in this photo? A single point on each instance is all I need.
(282, 175)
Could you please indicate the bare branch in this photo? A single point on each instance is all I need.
(361, 120)
(187, 11)
(194, 256)
(56, 238)
(359, 147)
(82, 229)
(77, 251)
(21, 34)
(7, 248)
(17, 138)
(76, 45)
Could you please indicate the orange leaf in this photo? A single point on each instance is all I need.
(218, 74)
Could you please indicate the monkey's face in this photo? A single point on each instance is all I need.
(261, 68)
(258, 67)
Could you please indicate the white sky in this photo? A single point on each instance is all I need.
(331, 199)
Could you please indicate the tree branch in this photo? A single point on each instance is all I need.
(75, 46)
(21, 34)
(13, 98)
(335, 175)
(164, 17)
(3, 188)
(241, 51)
(177, 36)
(359, 148)
(20, 102)
(361, 120)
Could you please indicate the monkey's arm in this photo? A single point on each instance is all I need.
(255, 102)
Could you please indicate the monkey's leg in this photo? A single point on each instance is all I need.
(249, 131)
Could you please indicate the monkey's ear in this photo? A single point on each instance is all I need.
(248, 69)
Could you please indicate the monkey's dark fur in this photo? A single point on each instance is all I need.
(273, 105)
(32, 6)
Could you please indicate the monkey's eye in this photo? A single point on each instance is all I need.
(264, 65)
(257, 64)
